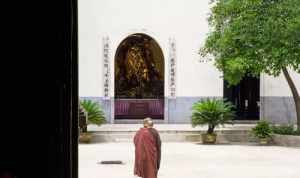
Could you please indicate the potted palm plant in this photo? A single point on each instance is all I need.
(211, 112)
(93, 114)
(262, 131)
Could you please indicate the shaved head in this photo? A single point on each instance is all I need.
(148, 122)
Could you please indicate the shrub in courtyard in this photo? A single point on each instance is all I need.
(285, 130)
(94, 114)
(94, 111)
(212, 112)
(262, 131)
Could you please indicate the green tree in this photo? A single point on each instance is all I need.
(250, 37)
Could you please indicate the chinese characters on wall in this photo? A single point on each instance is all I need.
(172, 68)
(106, 67)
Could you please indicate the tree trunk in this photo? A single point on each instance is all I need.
(210, 129)
(295, 94)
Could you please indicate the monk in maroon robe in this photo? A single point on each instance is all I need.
(147, 151)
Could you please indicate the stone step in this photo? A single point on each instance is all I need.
(167, 137)
(223, 131)
(170, 133)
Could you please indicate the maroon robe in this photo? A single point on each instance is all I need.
(147, 153)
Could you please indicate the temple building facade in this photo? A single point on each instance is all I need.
(140, 58)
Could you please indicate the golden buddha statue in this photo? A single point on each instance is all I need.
(135, 64)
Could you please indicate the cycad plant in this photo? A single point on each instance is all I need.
(94, 112)
(212, 112)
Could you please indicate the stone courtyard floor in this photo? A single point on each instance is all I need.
(192, 160)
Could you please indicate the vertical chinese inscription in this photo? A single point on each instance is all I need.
(172, 68)
(106, 70)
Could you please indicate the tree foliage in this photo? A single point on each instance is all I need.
(250, 37)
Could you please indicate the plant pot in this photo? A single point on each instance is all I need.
(263, 141)
(209, 138)
(85, 138)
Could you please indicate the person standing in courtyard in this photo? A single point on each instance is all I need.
(147, 151)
